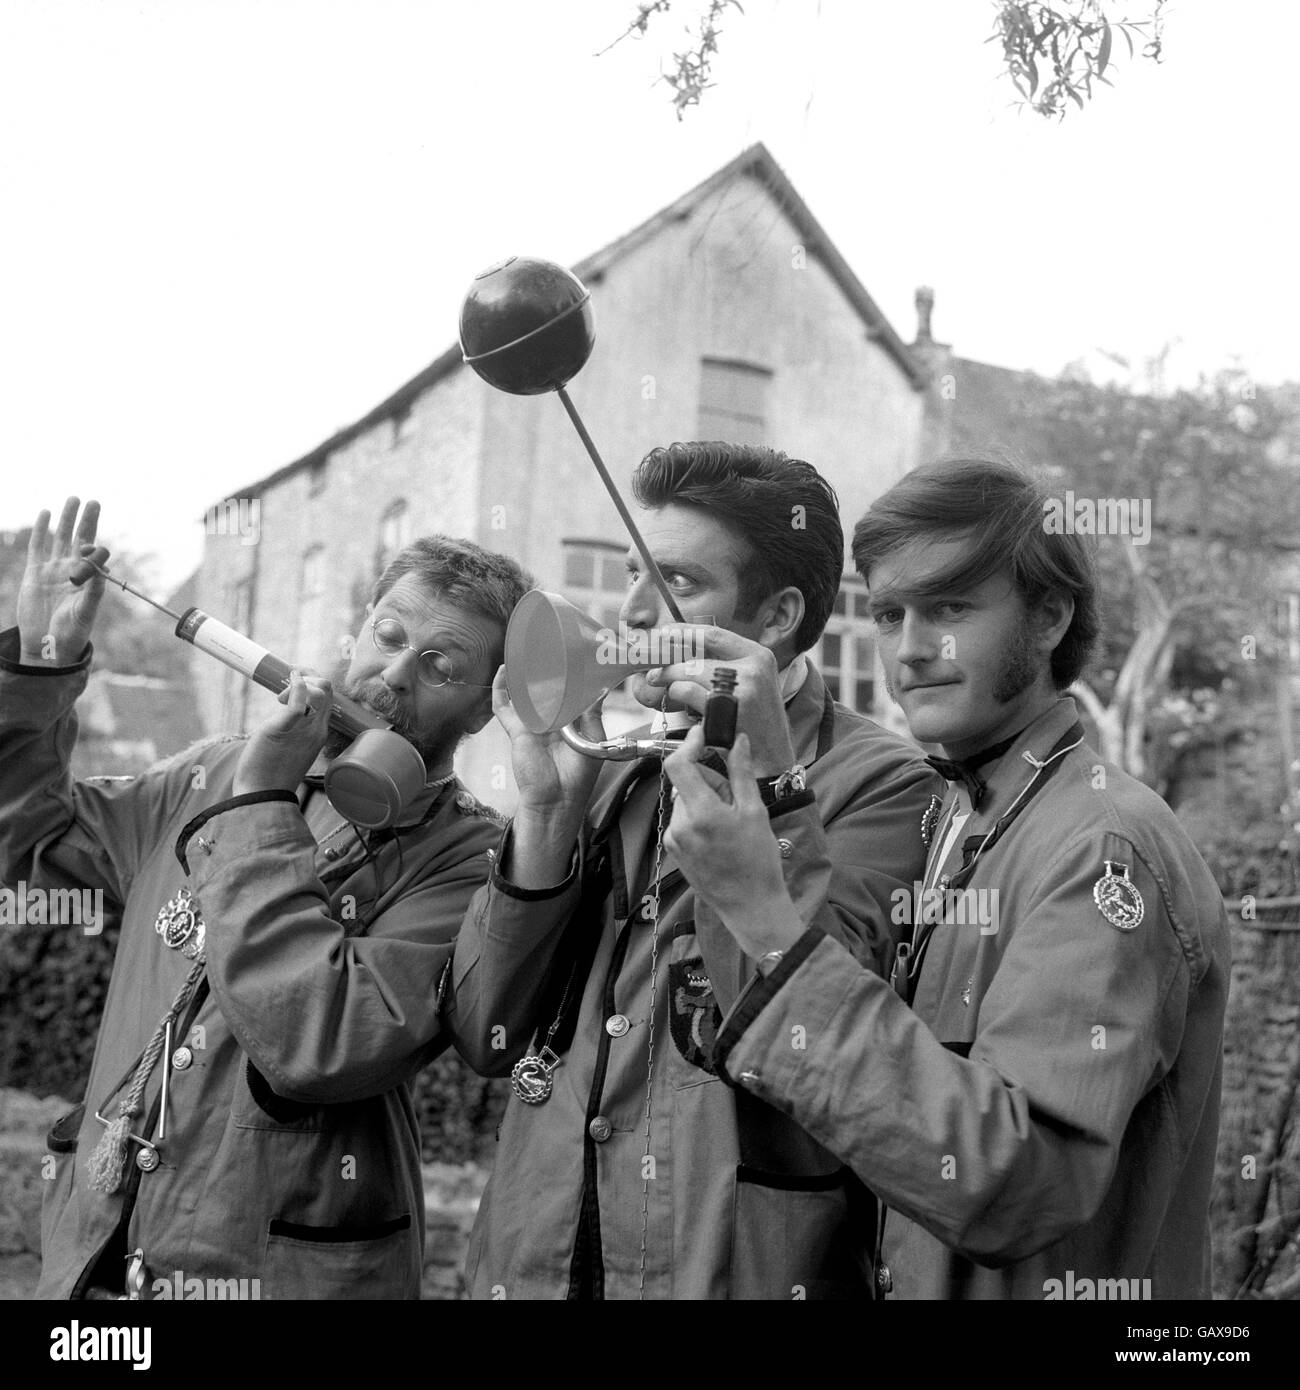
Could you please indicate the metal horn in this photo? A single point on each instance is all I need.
(559, 662)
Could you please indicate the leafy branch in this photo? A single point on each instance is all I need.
(1073, 43)
(690, 76)
(1067, 43)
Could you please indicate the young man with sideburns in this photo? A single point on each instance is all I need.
(1035, 1092)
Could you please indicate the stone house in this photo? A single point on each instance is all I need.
(728, 314)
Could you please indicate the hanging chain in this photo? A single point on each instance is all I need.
(647, 1159)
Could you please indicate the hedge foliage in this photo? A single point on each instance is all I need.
(53, 983)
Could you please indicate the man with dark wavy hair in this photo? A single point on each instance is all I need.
(1036, 1098)
(626, 1168)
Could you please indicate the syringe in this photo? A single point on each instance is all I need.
(244, 655)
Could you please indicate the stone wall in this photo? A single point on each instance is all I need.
(24, 1123)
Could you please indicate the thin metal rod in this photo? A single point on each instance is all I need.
(651, 568)
(121, 584)
(166, 1083)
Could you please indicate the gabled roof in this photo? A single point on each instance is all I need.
(397, 404)
(755, 162)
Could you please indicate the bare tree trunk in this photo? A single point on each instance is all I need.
(1144, 667)
(1110, 733)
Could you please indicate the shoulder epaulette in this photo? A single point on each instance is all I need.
(469, 805)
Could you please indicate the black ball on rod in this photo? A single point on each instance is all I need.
(526, 326)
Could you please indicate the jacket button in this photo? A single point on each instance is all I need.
(600, 1129)
(750, 1077)
(181, 1058)
(786, 848)
(147, 1159)
(616, 1025)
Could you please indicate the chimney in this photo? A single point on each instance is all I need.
(924, 308)
(937, 357)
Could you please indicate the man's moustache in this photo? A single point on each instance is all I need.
(386, 705)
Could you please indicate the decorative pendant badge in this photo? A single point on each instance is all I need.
(531, 1078)
(1117, 899)
(180, 924)
(929, 820)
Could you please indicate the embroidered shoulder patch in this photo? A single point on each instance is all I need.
(1117, 897)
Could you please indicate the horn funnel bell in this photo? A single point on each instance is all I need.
(557, 662)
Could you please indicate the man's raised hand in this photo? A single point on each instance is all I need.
(279, 753)
(758, 689)
(721, 837)
(60, 592)
(552, 777)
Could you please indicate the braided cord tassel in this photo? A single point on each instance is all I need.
(107, 1162)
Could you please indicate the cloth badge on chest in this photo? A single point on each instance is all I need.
(693, 1013)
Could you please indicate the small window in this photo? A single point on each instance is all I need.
(394, 532)
(235, 687)
(733, 401)
(847, 653)
(613, 574)
(595, 578)
(311, 606)
(579, 568)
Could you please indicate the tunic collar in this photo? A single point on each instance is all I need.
(1005, 776)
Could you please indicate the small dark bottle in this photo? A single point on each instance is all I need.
(720, 710)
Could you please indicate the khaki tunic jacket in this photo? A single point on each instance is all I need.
(1043, 1120)
(705, 1194)
(292, 1149)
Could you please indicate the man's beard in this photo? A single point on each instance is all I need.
(1019, 669)
(433, 748)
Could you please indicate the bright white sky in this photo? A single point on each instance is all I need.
(232, 226)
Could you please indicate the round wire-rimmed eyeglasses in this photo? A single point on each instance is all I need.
(433, 668)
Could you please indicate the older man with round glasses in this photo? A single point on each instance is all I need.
(274, 992)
